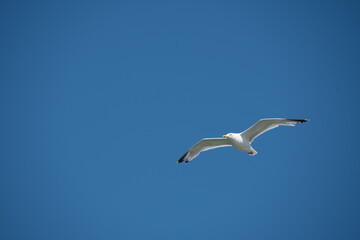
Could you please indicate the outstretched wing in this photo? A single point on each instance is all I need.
(265, 125)
(204, 145)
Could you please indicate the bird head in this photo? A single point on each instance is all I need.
(229, 135)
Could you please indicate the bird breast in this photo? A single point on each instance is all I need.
(239, 143)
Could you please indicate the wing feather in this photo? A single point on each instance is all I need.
(265, 125)
(204, 145)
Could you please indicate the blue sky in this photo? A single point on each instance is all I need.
(99, 99)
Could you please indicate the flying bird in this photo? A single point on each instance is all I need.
(240, 141)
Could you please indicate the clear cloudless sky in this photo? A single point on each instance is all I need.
(99, 99)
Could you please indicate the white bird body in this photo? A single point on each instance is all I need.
(240, 141)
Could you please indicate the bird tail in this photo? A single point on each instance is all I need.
(252, 152)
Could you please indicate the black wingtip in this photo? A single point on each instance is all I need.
(182, 158)
(299, 120)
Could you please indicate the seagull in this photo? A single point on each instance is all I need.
(240, 141)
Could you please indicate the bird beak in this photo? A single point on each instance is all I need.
(225, 136)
